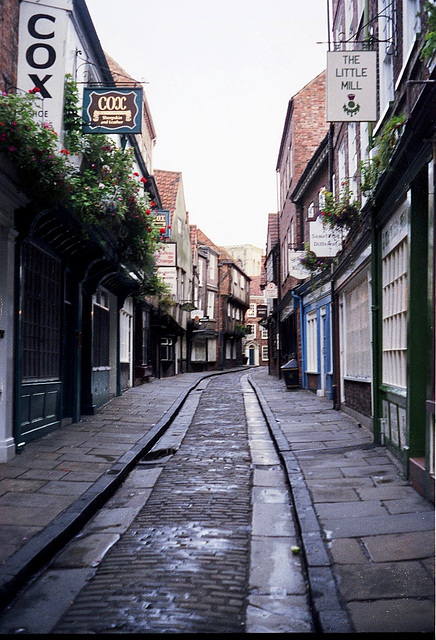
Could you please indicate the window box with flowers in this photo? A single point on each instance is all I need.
(241, 329)
(342, 213)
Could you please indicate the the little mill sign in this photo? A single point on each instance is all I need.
(351, 86)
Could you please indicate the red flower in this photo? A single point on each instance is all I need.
(35, 90)
(136, 174)
(143, 180)
(163, 230)
(65, 152)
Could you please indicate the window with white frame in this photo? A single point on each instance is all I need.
(312, 343)
(211, 350)
(264, 334)
(126, 331)
(289, 250)
(210, 304)
(342, 164)
(212, 266)
(200, 272)
(357, 332)
(264, 353)
(251, 330)
(411, 25)
(198, 353)
(252, 310)
(352, 157)
(386, 51)
(321, 198)
(364, 140)
(394, 278)
(166, 349)
(311, 210)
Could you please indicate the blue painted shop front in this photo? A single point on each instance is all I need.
(316, 338)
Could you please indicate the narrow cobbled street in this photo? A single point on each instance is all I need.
(209, 549)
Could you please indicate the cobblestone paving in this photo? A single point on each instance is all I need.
(183, 564)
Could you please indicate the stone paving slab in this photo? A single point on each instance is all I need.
(349, 551)
(377, 531)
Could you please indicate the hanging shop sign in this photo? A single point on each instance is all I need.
(109, 110)
(296, 269)
(322, 241)
(270, 291)
(167, 255)
(42, 36)
(161, 221)
(169, 276)
(351, 86)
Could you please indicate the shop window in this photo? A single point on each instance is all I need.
(358, 343)
(395, 315)
(312, 343)
(198, 351)
(166, 349)
(41, 314)
(211, 350)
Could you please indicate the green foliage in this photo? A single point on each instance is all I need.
(72, 119)
(429, 48)
(241, 329)
(343, 212)
(314, 264)
(105, 192)
(385, 144)
(33, 148)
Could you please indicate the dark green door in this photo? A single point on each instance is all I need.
(40, 339)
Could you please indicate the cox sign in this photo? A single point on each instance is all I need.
(42, 37)
(109, 110)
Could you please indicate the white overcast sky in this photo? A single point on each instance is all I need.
(219, 75)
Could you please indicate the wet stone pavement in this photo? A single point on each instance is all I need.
(197, 539)
(183, 564)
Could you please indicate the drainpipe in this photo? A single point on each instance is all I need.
(335, 344)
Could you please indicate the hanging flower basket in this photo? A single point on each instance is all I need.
(312, 263)
(343, 213)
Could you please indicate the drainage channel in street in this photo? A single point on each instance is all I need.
(278, 599)
(277, 591)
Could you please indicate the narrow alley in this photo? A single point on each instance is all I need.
(234, 504)
(212, 549)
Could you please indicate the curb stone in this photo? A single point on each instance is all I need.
(329, 614)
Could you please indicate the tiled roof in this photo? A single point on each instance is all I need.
(273, 231)
(255, 289)
(263, 273)
(223, 254)
(168, 183)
